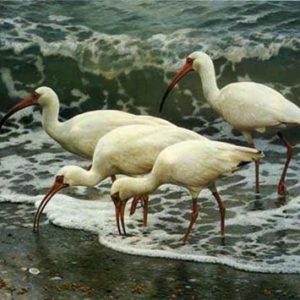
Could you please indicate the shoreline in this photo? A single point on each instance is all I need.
(72, 264)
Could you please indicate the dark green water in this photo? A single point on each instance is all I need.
(120, 55)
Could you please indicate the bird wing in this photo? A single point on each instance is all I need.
(200, 163)
(248, 105)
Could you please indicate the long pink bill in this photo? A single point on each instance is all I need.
(116, 200)
(144, 204)
(56, 187)
(185, 70)
(119, 211)
(31, 100)
(121, 215)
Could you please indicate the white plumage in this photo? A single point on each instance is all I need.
(248, 106)
(194, 165)
(80, 134)
(130, 150)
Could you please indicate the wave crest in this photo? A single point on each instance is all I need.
(109, 55)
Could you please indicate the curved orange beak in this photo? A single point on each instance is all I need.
(56, 187)
(31, 100)
(116, 199)
(185, 70)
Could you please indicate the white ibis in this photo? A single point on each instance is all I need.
(248, 106)
(80, 134)
(130, 150)
(194, 165)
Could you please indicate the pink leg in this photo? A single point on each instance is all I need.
(281, 188)
(134, 204)
(145, 209)
(257, 176)
(256, 173)
(222, 210)
(144, 203)
(194, 217)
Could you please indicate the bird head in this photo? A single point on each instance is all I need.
(46, 95)
(120, 194)
(66, 177)
(41, 96)
(72, 175)
(193, 62)
(119, 189)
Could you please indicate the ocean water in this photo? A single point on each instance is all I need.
(121, 55)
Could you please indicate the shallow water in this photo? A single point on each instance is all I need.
(120, 55)
(73, 265)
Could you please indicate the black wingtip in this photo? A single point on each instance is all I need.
(243, 163)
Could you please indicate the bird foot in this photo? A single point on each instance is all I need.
(282, 189)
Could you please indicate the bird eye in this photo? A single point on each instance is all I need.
(36, 95)
(60, 178)
(189, 60)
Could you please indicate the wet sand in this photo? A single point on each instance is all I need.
(73, 265)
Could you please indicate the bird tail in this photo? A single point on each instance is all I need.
(238, 156)
(245, 155)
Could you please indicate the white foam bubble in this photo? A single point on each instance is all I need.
(7, 79)
(255, 238)
(81, 98)
(59, 18)
(158, 241)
